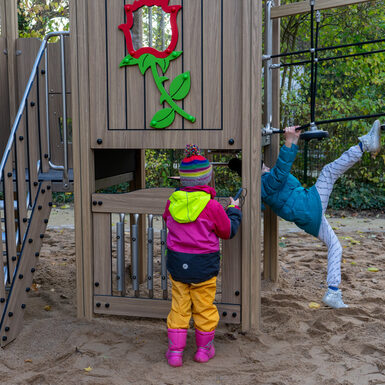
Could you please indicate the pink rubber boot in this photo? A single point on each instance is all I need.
(205, 345)
(176, 345)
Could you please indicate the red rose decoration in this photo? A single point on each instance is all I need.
(126, 28)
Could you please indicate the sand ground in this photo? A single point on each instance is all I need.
(295, 345)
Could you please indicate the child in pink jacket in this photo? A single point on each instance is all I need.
(195, 222)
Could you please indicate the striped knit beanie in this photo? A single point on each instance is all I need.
(195, 169)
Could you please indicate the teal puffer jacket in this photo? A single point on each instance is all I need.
(287, 198)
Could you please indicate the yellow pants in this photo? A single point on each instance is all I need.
(196, 299)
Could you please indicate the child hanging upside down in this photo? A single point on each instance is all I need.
(195, 222)
(306, 207)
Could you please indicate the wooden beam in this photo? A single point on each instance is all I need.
(270, 220)
(83, 156)
(304, 7)
(154, 308)
(251, 156)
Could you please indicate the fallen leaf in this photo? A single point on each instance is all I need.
(47, 307)
(314, 305)
(28, 360)
(88, 369)
(373, 269)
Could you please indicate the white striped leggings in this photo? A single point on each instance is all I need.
(324, 185)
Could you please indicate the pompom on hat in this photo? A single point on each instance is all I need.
(195, 169)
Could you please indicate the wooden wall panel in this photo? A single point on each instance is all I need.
(116, 77)
(212, 72)
(192, 40)
(210, 36)
(54, 66)
(97, 73)
(4, 97)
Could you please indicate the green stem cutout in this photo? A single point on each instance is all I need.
(179, 87)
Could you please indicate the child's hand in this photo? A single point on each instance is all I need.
(233, 202)
(291, 135)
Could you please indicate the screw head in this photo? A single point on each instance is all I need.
(98, 304)
(46, 221)
(231, 141)
(21, 137)
(33, 270)
(234, 315)
(37, 254)
(4, 338)
(13, 258)
(9, 174)
(96, 284)
(27, 289)
(42, 191)
(6, 328)
(21, 276)
(2, 300)
(100, 203)
(30, 240)
(10, 314)
(237, 293)
(107, 305)
(41, 236)
(39, 207)
(99, 141)
(94, 203)
(224, 313)
(25, 220)
(46, 156)
(32, 104)
(23, 305)
(35, 184)
(42, 72)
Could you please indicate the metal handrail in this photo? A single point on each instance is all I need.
(23, 102)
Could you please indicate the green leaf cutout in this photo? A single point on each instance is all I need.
(129, 61)
(145, 62)
(163, 118)
(164, 63)
(180, 86)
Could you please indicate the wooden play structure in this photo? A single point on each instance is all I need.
(125, 85)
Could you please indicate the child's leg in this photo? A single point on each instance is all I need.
(332, 171)
(205, 313)
(327, 235)
(333, 295)
(206, 318)
(180, 313)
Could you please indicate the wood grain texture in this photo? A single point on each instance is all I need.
(9, 210)
(83, 156)
(5, 125)
(251, 155)
(154, 308)
(304, 7)
(270, 222)
(11, 33)
(24, 274)
(147, 201)
(102, 254)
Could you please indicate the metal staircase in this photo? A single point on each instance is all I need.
(27, 177)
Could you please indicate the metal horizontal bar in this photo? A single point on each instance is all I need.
(285, 54)
(304, 7)
(281, 65)
(350, 55)
(349, 118)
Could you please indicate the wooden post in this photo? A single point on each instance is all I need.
(251, 156)
(11, 34)
(84, 171)
(270, 223)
